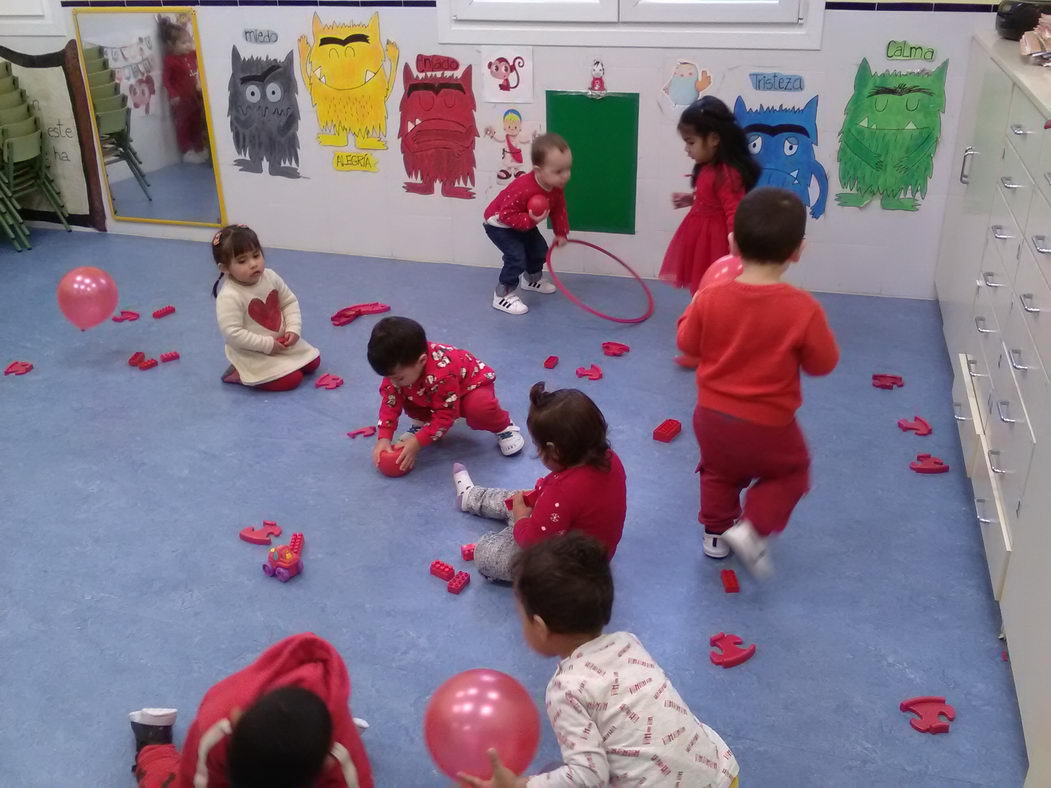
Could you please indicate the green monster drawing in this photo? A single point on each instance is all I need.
(889, 137)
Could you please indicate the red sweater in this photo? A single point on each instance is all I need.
(180, 75)
(583, 498)
(510, 205)
(448, 374)
(752, 340)
(304, 661)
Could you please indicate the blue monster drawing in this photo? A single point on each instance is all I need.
(782, 139)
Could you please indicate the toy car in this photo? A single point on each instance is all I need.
(285, 561)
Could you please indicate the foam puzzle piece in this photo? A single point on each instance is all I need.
(731, 654)
(928, 710)
(594, 372)
(918, 425)
(883, 381)
(458, 583)
(329, 382)
(260, 535)
(368, 432)
(18, 368)
(125, 315)
(170, 356)
(442, 570)
(666, 431)
(164, 311)
(928, 463)
(730, 584)
(551, 362)
(351, 313)
(614, 348)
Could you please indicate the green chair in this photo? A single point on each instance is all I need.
(21, 112)
(25, 171)
(19, 128)
(5, 68)
(92, 52)
(115, 135)
(100, 91)
(96, 78)
(7, 84)
(12, 99)
(97, 64)
(110, 103)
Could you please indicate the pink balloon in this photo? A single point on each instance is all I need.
(476, 711)
(87, 296)
(725, 269)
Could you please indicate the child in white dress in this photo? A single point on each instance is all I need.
(258, 316)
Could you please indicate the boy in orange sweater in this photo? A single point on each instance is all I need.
(753, 335)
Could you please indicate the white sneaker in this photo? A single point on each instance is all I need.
(539, 286)
(509, 303)
(462, 480)
(751, 548)
(715, 546)
(510, 440)
(415, 427)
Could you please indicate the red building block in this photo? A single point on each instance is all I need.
(666, 431)
(149, 363)
(883, 381)
(732, 655)
(458, 583)
(18, 368)
(730, 584)
(136, 359)
(260, 535)
(467, 552)
(295, 544)
(164, 311)
(172, 356)
(927, 463)
(594, 372)
(928, 710)
(329, 382)
(551, 362)
(614, 348)
(442, 570)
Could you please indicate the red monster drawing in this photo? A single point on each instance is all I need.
(437, 128)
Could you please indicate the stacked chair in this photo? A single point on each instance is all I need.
(112, 117)
(24, 167)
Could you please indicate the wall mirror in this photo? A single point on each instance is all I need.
(149, 103)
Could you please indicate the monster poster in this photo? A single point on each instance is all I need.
(507, 74)
(890, 133)
(349, 73)
(437, 128)
(264, 114)
(784, 140)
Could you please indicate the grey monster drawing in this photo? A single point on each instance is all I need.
(264, 114)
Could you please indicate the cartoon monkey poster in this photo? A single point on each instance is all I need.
(507, 74)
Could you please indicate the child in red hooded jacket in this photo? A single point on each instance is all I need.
(283, 720)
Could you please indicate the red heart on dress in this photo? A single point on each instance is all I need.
(266, 313)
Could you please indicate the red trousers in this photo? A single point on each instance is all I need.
(480, 407)
(157, 766)
(188, 115)
(771, 462)
(292, 379)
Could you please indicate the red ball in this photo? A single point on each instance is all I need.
(389, 463)
(725, 269)
(538, 205)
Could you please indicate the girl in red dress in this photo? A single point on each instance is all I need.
(183, 83)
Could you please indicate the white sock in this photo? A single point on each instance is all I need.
(462, 480)
(153, 716)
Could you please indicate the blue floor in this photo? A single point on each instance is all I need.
(125, 585)
(180, 192)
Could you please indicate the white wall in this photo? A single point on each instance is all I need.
(867, 251)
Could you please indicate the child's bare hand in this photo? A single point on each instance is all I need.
(410, 447)
(682, 199)
(561, 240)
(502, 776)
(278, 347)
(382, 445)
(539, 217)
(288, 339)
(519, 508)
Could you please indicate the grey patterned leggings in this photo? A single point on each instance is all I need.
(495, 552)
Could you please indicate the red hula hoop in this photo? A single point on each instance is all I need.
(566, 292)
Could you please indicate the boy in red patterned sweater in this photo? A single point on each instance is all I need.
(435, 384)
(513, 226)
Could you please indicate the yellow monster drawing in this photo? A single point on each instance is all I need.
(343, 71)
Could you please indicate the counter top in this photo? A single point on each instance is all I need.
(1035, 81)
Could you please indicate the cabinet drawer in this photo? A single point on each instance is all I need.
(1005, 235)
(966, 413)
(994, 279)
(1008, 435)
(1032, 297)
(991, 519)
(1015, 185)
(1029, 372)
(1025, 127)
(986, 341)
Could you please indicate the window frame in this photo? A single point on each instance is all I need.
(709, 11)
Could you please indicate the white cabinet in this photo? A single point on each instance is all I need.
(994, 288)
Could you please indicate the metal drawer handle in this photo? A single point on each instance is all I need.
(1008, 183)
(1012, 355)
(979, 322)
(987, 276)
(1001, 406)
(992, 463)
(956, 415)
(1038, 244)
(1026, 299)
(1047, 177)
(965, 173)
(971, 364)
(979, 506)
(999, 234)
(1018, 131)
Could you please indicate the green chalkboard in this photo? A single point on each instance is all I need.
(604, 136)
